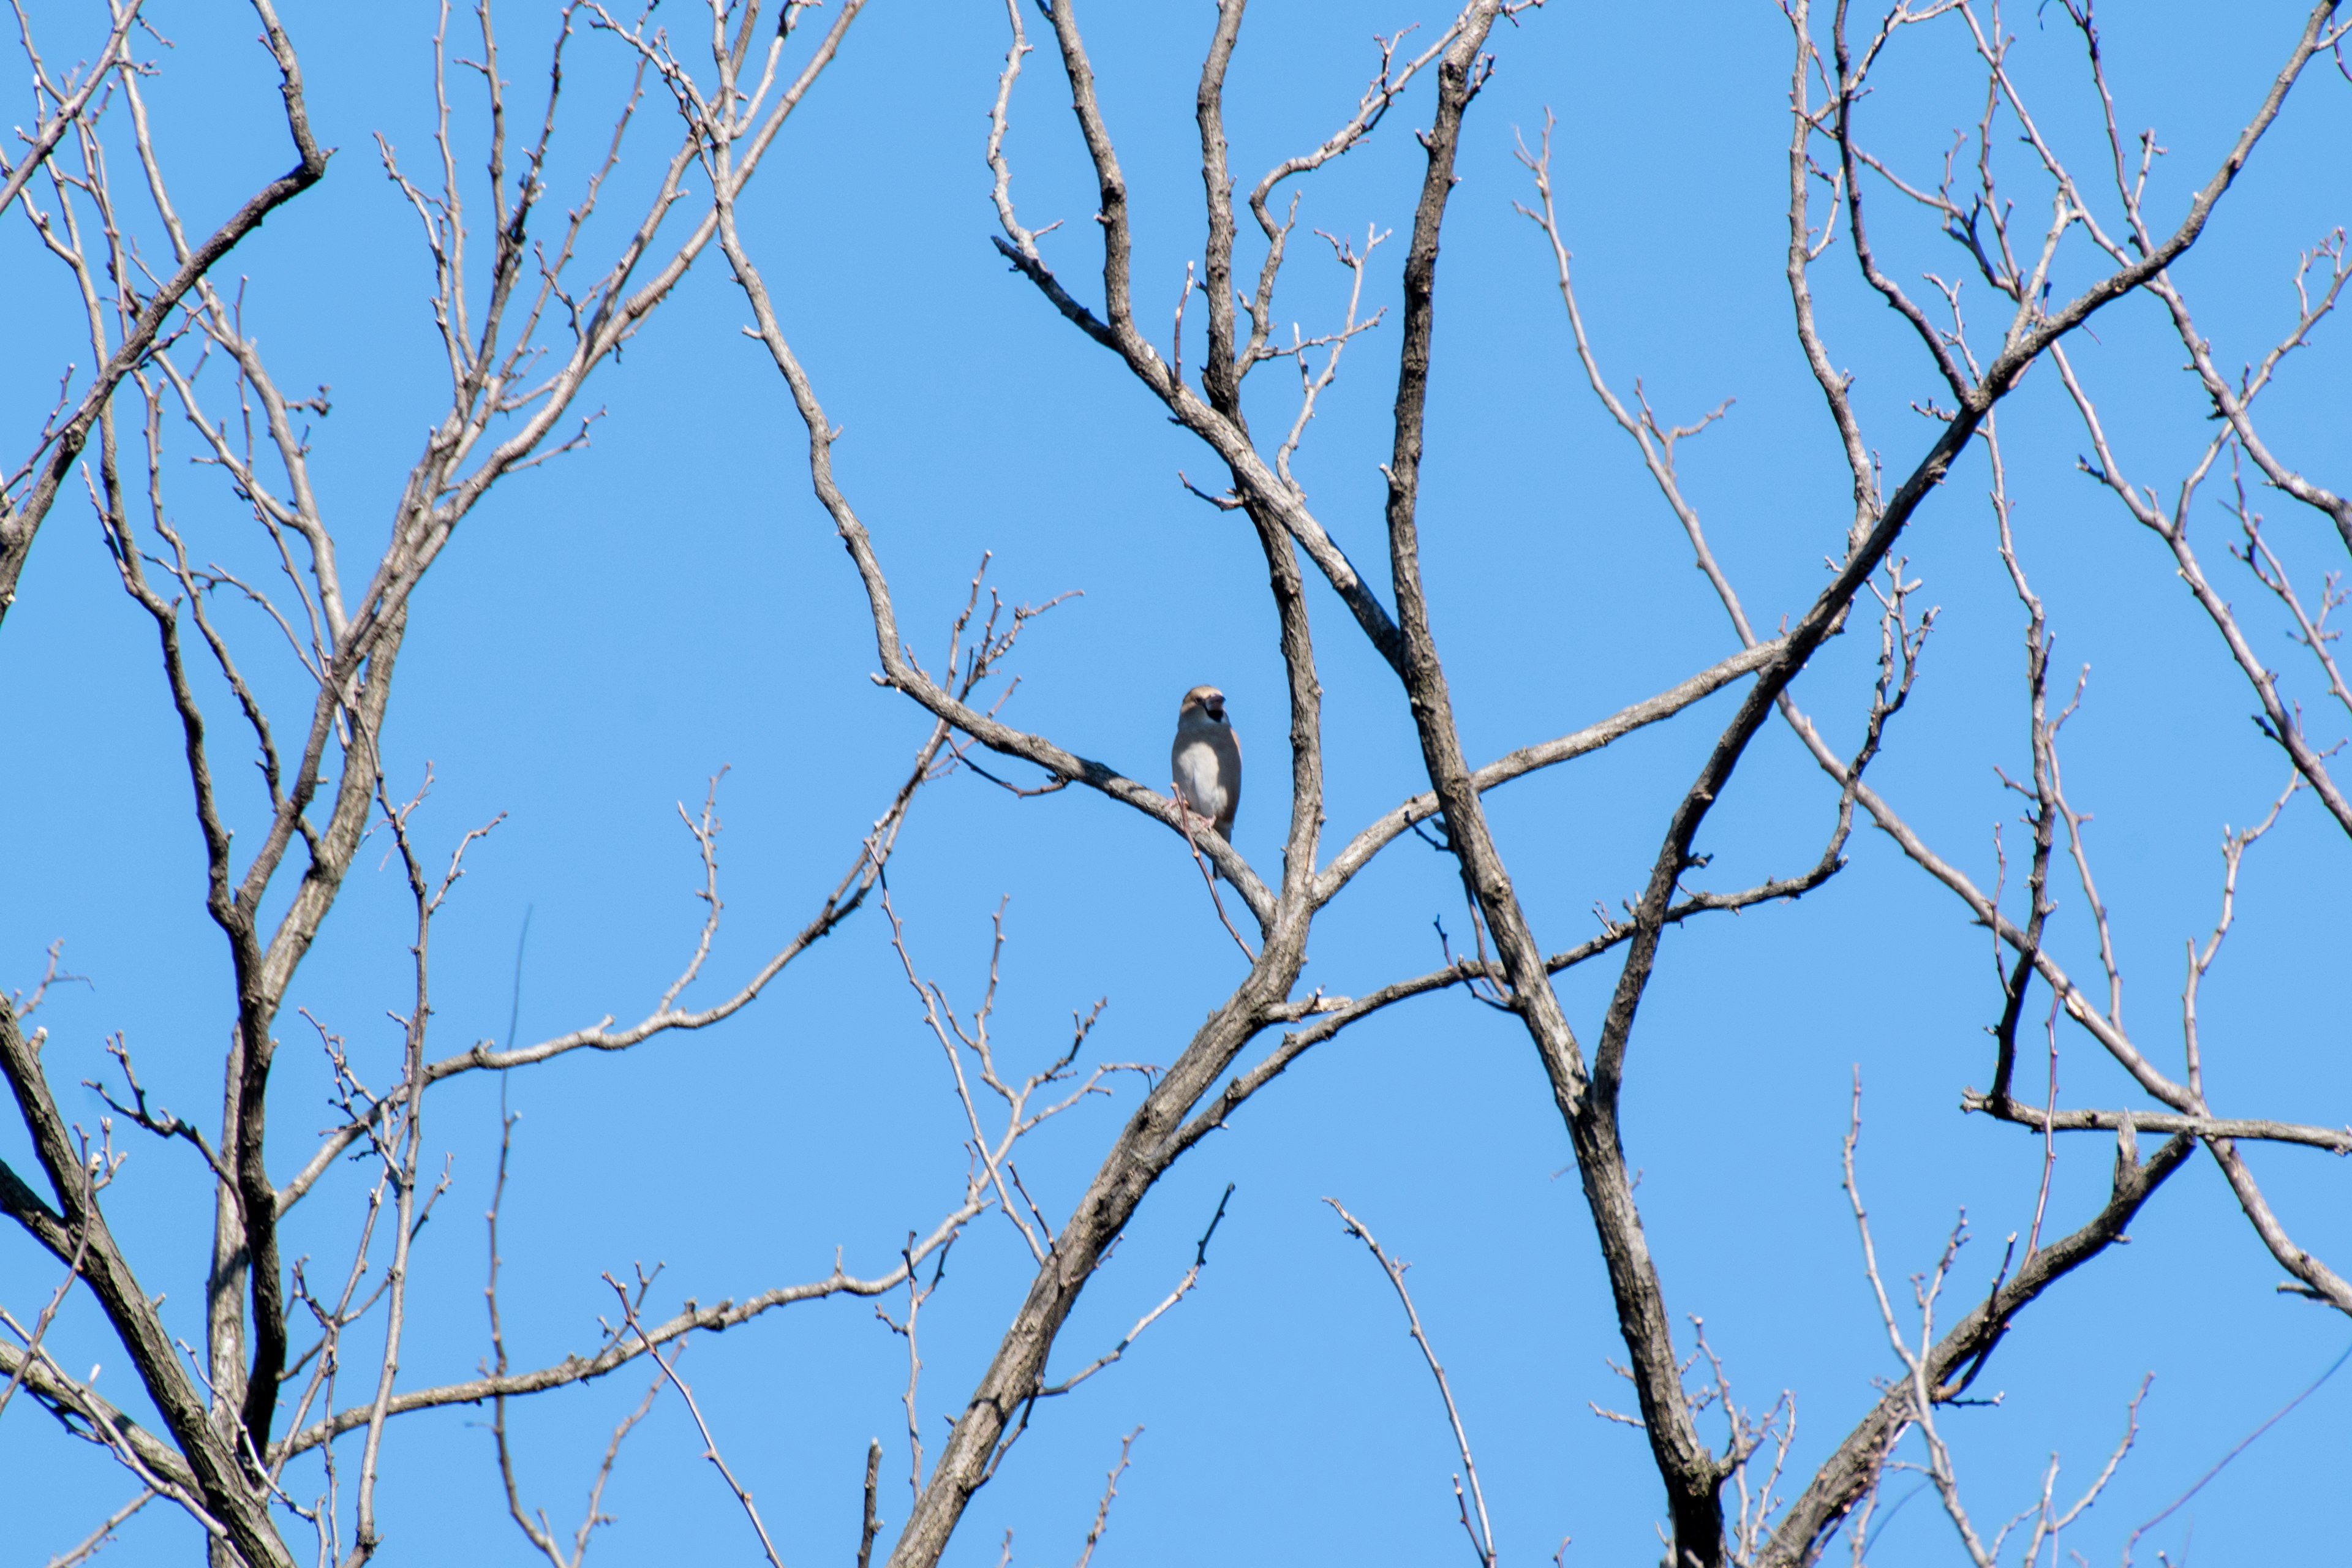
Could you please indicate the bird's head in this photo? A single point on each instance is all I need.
(1205, 699)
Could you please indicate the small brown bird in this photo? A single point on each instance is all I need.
(1206, 760)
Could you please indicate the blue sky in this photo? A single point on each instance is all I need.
(608, 632)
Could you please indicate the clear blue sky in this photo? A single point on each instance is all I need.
(607, 632)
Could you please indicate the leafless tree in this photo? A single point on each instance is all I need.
(523, 334)
(1830, 81)
(140, 305)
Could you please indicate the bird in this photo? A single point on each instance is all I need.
(1206, 760)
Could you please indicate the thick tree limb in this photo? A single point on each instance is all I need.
(1854, 1471)
(219, 1479)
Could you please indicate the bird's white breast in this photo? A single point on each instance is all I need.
(1198, 774)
